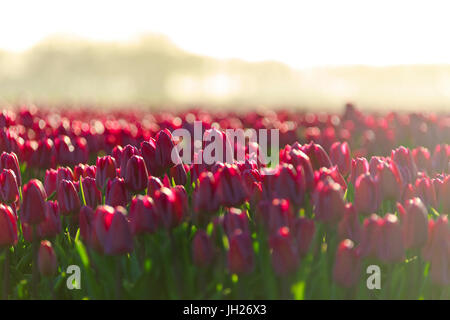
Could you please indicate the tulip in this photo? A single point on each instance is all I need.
(116, 193)
(304, 230)
(349, 226)
(9, 161)
(285, 258)
(8, 227)
(86, 217)
(299, 158)
(369, 234)
(202, 249)
(340, 156)
(43, 157)
(51, 226)
(127, 153)
(169, 206)
(441, 158)
(203, 198)
(33, 205)
(143, 216)
(240, 254)
(106, 169)
(113, 230)
(323, 173)
(136, 176)
(437, 250)
(359, 166)
(234, 219)
(230, 190)
(163, 154)
(50, 181)
(148, 152)
(422, 159)
(414, 217)
(390, 247)
(366, 195)
(276, 214)
(290, 184)
(389, 181)
(328, 200)
(47, 262)
(9, 190)
(92, 195)
(373, 165)
(347, 265)
(317, 155)
(405, 163)
(68, 199)
(178, 173)
(63, 173)
(154, 184)
(424, 189)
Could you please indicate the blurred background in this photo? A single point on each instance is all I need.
(305, 54)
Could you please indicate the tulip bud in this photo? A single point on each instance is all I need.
(86, 218)
(9, 190)
(414, 218)
(9, 161)
(285, 258)
(299, 158)
(340, 156)
(51, 226)
(441, 158)
(47, 262)
(290, 184)
(422, 159)
(136, 176)
(234, 219)
(304, 230)
(106, 169)
(163, 154)
(405, 163)
(178, 173)
(390, 246)
(230, 190)
(349, 227)
(328, 200)
(169, 206)
(202, 249)
(275, 214)
(347, 265)
(33, 205)
(68, 199)
(63, 173)
(143, 216)
(323, 173)
(116, 193)
(369, 235)
(366, 195)
(154, 184)
(50, 181)
(43, 157)
(317, 155)
(8, 227)
(389, 181)
(128, 152)
(359, 166)
(425, 191)
(92, 195)
(240, 255)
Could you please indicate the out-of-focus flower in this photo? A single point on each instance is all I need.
(424, 189)
(290, 184)
(414, 220)
(405, 163)
(390, 247)
(303, 231)
(366, 194)
(441, 158)
(349, 226)
(116, 193)
(169, 206)
(389, 181)
(240, 255)
(51, 226)
(359, 166)
(8, 227)
(230, 189)
(275, 214)
(33, 205)
(299, 158)
(178, 173)
(50, 181)
(47, 262)
(106, 169)
(317, 155)
(92, 195)
(369, 234)
(285, 258)
(347, 264)
(234, 219)
(422, 159)
(328, 200)
(340, 156)
(68, 199)
(202, 249)
(143, 216)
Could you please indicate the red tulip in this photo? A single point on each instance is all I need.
(202, 249)
(116, 193)
(422, 159)
(68, 199)
(136, 176)
(230, 190)
(178, 173)
(33, 205)
(9, 161)
(47, 262)
(369, 234)
(359, 166)
(240, 255)
(154, 184)
(299, 158)
(328, 200)
(86, 218)
(148, 152)
(323, 173)
(143, 216)
(51, 226)
(317, 155)
(389, 181)
(234, 219)
(170, 207)
(414, 216)
(285, 258)
(304, 230)
(441, 158)
(50, 181)
(276, 214)
(127, 153)
(290, 184)
(405, 163)
(8, 227)
(163, 154)
(349, 226)
(106, 169)
(92, 195)
(425, 191)
(347, 265)
(366, 195)
(63, 173)
(390, 247)
(9, 190)
(340, 156)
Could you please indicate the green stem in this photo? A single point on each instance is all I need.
(6, 275)
(118, 277)
(35, 271)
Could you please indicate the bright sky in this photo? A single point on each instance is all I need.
(300, 33)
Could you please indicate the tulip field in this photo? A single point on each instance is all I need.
(93, 206)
